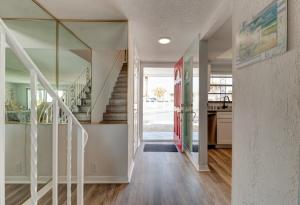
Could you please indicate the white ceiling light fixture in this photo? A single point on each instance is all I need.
(164, 40)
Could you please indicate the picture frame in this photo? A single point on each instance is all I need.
(263, 36)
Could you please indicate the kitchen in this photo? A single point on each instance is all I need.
(220, 121)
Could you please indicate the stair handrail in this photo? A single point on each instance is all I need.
(8, 38)
(120, 56)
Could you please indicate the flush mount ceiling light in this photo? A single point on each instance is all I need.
(164, 40)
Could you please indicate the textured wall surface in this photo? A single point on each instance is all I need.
(266, 124)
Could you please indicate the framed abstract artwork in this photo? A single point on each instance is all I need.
(263, 36)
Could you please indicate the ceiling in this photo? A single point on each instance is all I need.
(101, 35)
(220, 43)
(150, 20)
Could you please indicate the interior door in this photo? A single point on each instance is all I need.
(178, 104)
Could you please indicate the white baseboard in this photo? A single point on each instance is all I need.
(63, 180)
(204, 168)
(106, 180)
(25, 180)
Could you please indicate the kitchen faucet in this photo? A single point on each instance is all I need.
(224, 102)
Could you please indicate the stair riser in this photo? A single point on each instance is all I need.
(121, 86)
(120, 90)
(116, 107)
(86, 96)
(123, 74)
(83, 116)
(86, 102)
(112, 101)
(117, 110)
(85, 109)
(119, 96)
(123, 81)
(117, 102)
(115, 117)
(87, 90)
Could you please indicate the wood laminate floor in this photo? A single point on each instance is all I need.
(220, 162)
(158, 179)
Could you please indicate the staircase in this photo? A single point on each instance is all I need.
(82, 110)
(116, 110)
(78, 97)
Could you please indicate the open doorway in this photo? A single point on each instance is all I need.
(158, 104)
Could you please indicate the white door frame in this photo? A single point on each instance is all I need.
(144, 65)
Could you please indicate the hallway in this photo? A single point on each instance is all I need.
(166, 179)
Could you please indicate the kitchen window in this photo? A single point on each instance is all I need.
(220, 86)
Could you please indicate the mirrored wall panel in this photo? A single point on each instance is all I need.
(191, 101)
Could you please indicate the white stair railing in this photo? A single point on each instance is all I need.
(75, 92)
(46, 113)
(6, 37)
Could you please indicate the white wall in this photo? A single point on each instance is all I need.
(266, 118)
(105, 155)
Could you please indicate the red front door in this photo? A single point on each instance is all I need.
(178, 71)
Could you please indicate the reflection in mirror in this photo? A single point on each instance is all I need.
(74, 73)
(74, 58)
(38, 38)
(108, 40)
(17, 130)
(26, 9)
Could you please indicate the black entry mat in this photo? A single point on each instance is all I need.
(160, 148)
(195, 147)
